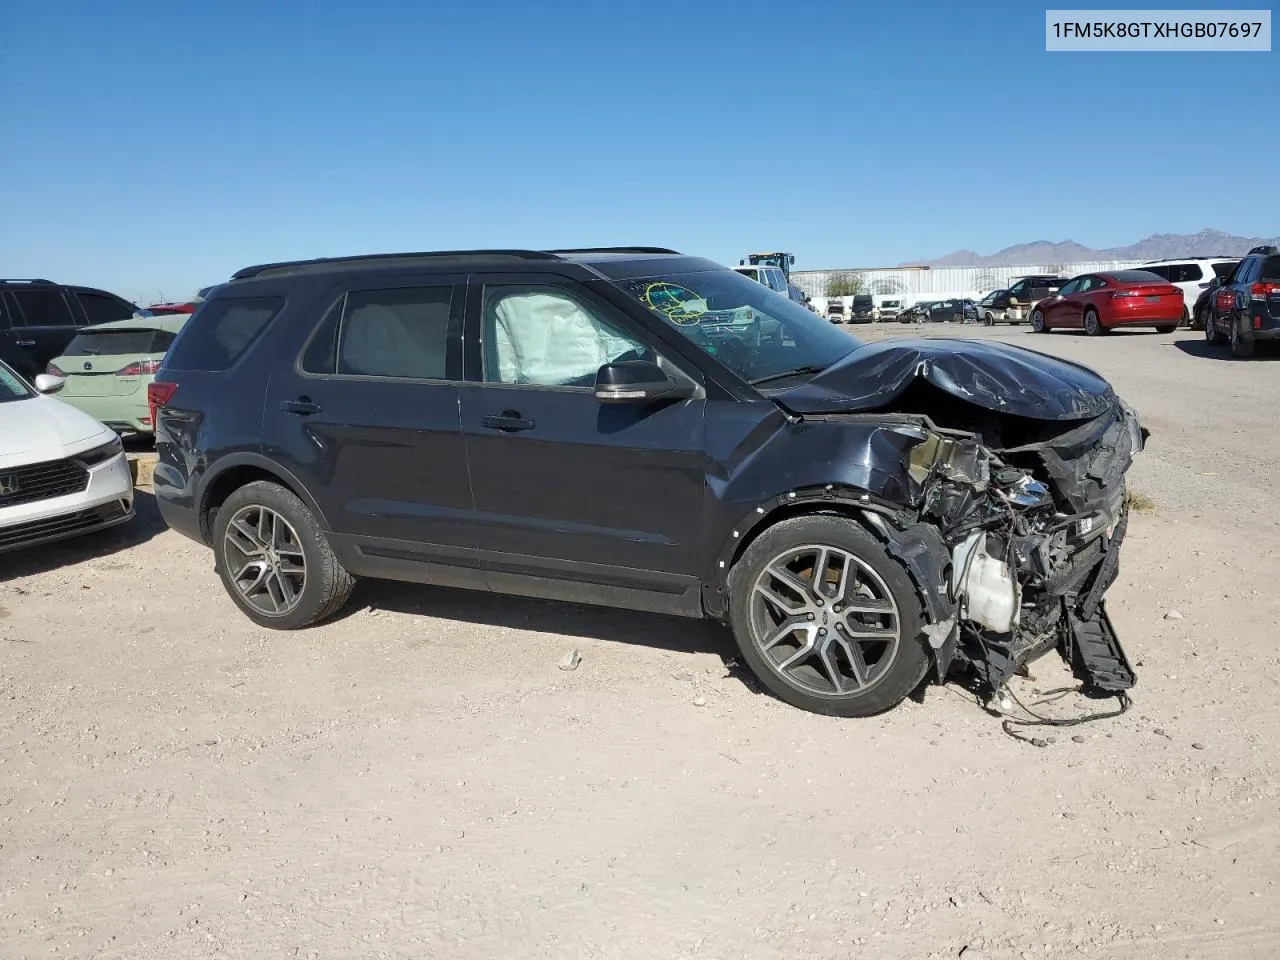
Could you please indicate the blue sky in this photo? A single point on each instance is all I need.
(154, 147)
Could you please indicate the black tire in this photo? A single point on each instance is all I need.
(1197, 322)
(909, 662)
(1241, 348)
(1211, 334)
(1094, 329)
(1037, 322)
(989, 320)
(327, 584)
(1166, 327)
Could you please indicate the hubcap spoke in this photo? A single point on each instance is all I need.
(825, 621)
(264, 550)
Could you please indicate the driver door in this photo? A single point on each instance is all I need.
(1061, 311)
(574, 499)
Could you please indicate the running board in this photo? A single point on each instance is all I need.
(1095, 654)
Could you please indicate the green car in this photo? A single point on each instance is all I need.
(106, 368)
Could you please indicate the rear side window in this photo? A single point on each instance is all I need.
(396, 333)
(1163, 272)
(105, 343)
(100, 308)
(42, 308)
(1186, 273)
(1270, 269)
(221, 330)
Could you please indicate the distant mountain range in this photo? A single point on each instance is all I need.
(1158, 246)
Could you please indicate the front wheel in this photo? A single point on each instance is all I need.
(1092, 325)
(826, 619)
(274, 559)
(1037, 322)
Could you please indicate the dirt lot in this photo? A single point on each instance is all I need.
(419, 779)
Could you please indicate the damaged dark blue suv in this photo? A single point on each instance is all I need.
(642, 429)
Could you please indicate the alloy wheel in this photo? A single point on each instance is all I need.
(825, 621)
(264, 559)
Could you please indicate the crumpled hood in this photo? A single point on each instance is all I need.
(991, 375)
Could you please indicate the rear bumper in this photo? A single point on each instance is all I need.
(125, 413)
(105, 502)
(1143, 314)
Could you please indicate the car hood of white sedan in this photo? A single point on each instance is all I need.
(41, 428)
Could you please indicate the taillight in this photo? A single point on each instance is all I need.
(1260, 291)
(53, 371)
(1122, 294)
(158, 394)
(143, 368)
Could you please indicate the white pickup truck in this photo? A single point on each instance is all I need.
(1015, 304)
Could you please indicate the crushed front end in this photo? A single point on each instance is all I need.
(1033, 520)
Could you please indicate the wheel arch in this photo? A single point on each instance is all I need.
(918, 547)
(239, 470)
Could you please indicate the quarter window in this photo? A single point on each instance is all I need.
(100, 308)
(546, 336)
(396, 333)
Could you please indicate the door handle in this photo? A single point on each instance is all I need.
(303, 406)
(26, 343)
(509, 422)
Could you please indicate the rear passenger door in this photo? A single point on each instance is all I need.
(368, 414)
(42, 324)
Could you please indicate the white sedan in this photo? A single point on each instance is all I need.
(62, 473)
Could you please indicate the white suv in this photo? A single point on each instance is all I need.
(1191, 275)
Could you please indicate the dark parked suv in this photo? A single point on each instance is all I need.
(603, 426)
(1245, 308)
(38, 318)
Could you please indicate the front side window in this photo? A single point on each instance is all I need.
(401, 332)
(1070, 287)
(734, 320)
(547, 336)
(43, 308)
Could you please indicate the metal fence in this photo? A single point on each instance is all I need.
(915, 283)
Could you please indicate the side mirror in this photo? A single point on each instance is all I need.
(639, 381)
(47, 383)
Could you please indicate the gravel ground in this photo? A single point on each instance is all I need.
(420, 779)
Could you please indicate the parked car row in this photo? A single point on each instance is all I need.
(1243, 308)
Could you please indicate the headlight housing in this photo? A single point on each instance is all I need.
(100, 454)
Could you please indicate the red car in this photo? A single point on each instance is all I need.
(167, 309)
(1099, 302)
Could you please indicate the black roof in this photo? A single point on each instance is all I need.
(449, 258)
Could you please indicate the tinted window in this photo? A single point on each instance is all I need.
(1223, 270)
(1136, 276)
(42, 308)
(1070, 287)
(221, 330)
(1270, 269)
(11, 385)
(547, 336)
(1163, 272)
(1187, 273)
(100, 308)
(99, 343)
(396, 333)
(321, 355)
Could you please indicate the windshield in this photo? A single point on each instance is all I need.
(756, 333)
(11, 386)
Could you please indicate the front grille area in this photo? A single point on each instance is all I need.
(41, 481)
(53, 527)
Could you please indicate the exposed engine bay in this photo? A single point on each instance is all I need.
(1016, 503)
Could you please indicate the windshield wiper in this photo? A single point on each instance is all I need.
(793, 372)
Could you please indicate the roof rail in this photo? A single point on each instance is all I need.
(614, 250)
(26, 280)
(385, 259)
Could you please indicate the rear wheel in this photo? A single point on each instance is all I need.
(1166, 327)
(1092, 325)
(274, 559)
(1037, 322)
(1241, 348)
(1186, 318)
(826, 619)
